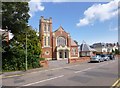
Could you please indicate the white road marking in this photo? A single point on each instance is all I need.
(83, 70)
(94, 67)
(43, 80)
(54, 69)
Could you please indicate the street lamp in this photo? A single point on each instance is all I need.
(26, 67)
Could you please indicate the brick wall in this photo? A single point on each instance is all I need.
(82, 59)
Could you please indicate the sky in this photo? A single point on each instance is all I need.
(92, 22)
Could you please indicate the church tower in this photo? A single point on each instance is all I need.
(45, 29)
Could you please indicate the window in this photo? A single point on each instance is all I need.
(47, 53)
(45, 39)
(48, 27)
(45, 27)
(61, 41)
(73, 51)
(48, 40)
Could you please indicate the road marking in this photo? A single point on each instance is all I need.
(38, 71)
(49, 70)
(103, 65)
(54, 69)
(43, 80)
(83, 70)
(115, 84)
(93, 67)
(12, 76)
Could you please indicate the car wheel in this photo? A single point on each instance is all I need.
(99, 61)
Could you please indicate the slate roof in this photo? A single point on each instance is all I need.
(86, 47)
(98, 45)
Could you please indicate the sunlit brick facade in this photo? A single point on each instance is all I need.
(56, 45)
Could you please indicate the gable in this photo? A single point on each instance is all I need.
(60, 29)
(73, 43)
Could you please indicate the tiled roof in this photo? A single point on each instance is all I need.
(73, 43)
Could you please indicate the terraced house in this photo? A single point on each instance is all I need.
(56, 45)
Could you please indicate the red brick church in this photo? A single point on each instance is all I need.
(56, 45)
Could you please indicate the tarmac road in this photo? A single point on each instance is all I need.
(85, 74)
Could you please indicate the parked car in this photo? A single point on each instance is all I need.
(111, 57)
(96, 58)
(105, 57)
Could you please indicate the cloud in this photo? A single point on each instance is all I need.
(35, 6)
(113, 29)
(101, 12)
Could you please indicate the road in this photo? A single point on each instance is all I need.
(85, 74)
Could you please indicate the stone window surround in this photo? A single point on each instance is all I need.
(64, 38)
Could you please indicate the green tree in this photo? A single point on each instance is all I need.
(15, 19)
(113, 51)
(117, 51)
(14, 58)
(15, 16)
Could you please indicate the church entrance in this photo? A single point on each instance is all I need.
(63, 54)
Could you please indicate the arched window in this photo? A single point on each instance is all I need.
(45, 27)
(61, 41)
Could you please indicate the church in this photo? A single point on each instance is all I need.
(56, 45)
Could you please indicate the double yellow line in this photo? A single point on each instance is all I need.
(116, 84)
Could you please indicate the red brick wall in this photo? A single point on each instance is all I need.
(76, 54)
(54, 47)
(44, 50)
(75, 60)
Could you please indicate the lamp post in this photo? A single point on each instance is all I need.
(26, 54)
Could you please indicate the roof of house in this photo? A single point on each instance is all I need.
(86, 47)
(96, 45)
(73, 43)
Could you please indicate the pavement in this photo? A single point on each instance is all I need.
(80, 74)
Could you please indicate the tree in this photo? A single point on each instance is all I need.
(113, 51)
(14, 58)
(15, 16)
(15, 19)
(117, 51)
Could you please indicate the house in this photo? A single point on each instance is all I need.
(104, 48)
(4, 34)
(86, 50)
(100, 48)
(56, 45)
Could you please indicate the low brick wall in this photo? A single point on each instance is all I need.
(117, 56)
(44, 63)
(81, 59)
